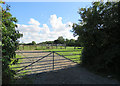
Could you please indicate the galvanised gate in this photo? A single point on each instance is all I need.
(42, 61)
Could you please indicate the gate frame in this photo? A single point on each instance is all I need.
(51, 52)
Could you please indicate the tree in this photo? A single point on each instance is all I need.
(60, 40)
(33, 43)
(49, 42)
(77, 43)
(9, 44)
(98, 33)
(67, 42)
(72, 42)
(56, 42)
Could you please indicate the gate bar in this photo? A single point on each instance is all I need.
(34, 62)
(65, 57)
(53, 60)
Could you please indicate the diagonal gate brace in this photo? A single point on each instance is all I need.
(34, 62)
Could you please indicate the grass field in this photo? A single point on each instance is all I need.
(71, 55)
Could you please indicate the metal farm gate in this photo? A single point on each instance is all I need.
(41, 61)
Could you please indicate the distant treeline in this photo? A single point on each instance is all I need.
(60, 40)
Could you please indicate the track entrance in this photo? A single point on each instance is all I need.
(32, 62)
(33, 68)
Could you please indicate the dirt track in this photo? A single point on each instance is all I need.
(46, 64)
(65, 72)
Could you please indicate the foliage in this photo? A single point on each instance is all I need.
(72, 42)
(48, 42)
(9, 44)
(33, 43)
(98, 33)
(60, 40)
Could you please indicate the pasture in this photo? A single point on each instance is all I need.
(73, 54)
(62, 66)
(46, 64)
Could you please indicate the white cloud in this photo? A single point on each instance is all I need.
(34, 22)
(33, 32)
(45, 29)
(56, 23)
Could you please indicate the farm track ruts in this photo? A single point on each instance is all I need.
(67, 73)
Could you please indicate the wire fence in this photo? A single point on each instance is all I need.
(42, 46)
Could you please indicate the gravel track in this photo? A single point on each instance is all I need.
(65, 72)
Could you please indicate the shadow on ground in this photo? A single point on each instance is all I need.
(72, 75)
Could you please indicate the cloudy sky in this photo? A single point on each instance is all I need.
(46, 21)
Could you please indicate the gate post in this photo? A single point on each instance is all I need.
(23, 47)
(53, 60)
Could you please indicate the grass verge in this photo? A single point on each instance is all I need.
(18, 67)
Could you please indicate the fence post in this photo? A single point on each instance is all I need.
(56, 46)
(53, 60)
(30, 47)
(23, 47)
(65, 46)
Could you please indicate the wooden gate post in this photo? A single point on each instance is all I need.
(53, 60)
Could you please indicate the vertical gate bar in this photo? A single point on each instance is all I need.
(53, 60)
